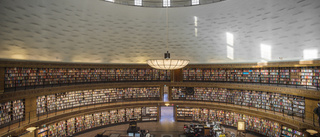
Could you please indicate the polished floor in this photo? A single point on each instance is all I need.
(158, 129)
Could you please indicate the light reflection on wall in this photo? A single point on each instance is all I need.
(310, 53)
(195, 32)
(230, 52)
(195, 26)
(195, 21)
(265, 51)
(85, 58)
(16, 52)
(230, 39)
(230, 42)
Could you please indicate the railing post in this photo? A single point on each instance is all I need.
(38, 115)
(9, 126)
(313, 119)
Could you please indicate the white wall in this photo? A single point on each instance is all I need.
(102, 32)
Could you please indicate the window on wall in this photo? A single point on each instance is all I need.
(194, 2)
(310, 54)
(229, 38)
(265, 51)
(138, 2)
(230, 42)
(166, 3)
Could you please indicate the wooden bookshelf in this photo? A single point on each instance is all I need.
(77, 124)
(66, 100)
(149, 113)
(287, 104)
(316, 78)
(299, 76)
(16, 77)
(289, 132)
(255, 124)
(42, 132)
(11, 112)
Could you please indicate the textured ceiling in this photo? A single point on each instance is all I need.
(103, 32)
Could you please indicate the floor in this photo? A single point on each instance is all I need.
(158, 129)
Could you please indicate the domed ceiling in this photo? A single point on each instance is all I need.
(104, 32)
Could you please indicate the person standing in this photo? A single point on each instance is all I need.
(317, 111)
(148, 134)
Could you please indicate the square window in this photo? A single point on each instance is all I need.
(194, 2)
(166, 3)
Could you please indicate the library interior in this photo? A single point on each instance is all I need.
(160, 68)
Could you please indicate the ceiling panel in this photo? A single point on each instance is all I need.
(102, 32)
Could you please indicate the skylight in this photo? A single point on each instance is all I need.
(265, 51)
(194, 2)
(138, 2)
(166, 3)
(310, 53)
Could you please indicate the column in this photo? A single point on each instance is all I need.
(177, 75)
(2, 72)
(310, 105)
(30, 108)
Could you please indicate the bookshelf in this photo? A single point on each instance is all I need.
(149, 113)
(97, 119)
(88, 121)
(11, 112)
(66, 100)
(52, 129)
(42, 132)
(284, 76)
(256, 124)
(71, 126)
(105, 118)
(133, 113)
(77, 124)
(300, 76)
(289, 132)
(288, 104)
(307, 76)
(316, 77)
(25, 77)
(250, 75)
(113, 116)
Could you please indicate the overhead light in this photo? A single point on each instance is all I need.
(167, 104)
(167, 63)
(31, 129)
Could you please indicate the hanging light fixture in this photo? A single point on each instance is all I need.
(167, 63)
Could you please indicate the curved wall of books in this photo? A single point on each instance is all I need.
(79, 90)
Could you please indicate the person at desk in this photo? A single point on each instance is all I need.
(191, 130)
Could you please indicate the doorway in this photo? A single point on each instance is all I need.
(167, 114)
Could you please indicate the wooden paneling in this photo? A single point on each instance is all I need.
(312, 94)
(2, 74)
(310, 106)
(30, 108)
(44, 64)
(284, 120)
(178, 75)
